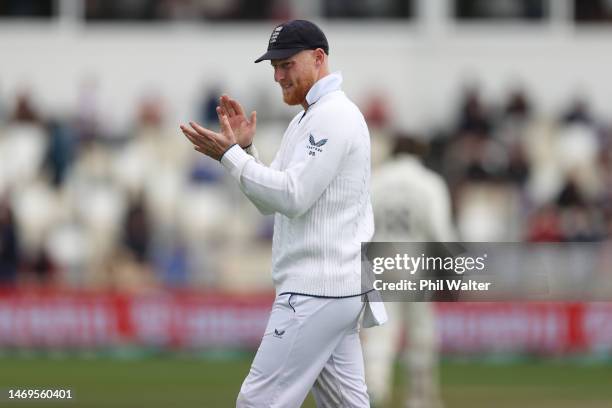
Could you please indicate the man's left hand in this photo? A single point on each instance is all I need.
(210, 143)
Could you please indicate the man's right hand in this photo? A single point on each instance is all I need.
(243, 128)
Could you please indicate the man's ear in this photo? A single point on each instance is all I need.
(319, 56)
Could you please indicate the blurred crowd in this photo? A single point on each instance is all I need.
(515, 174)
(519, 176)
(83, 207)
(584, 11)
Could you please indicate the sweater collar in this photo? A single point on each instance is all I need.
(323, 86)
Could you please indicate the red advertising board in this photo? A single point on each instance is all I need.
(185, 319)
(167, 319)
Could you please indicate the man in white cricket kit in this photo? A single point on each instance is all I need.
(318, 189)
(411, 204)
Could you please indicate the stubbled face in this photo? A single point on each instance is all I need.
(296, 75)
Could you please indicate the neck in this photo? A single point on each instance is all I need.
(322, 74)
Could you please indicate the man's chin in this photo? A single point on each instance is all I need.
(291, 100)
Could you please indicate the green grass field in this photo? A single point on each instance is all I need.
(212, 382)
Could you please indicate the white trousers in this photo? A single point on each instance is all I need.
(309, 344)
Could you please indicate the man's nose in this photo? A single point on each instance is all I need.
(278, 74)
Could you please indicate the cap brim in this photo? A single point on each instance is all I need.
(279, 54)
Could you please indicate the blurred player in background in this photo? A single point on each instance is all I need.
(411, 204)
(318, 188)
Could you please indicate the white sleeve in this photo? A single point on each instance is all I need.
(252, 151)
(295, 189)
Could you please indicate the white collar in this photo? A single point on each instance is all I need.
(323, 86)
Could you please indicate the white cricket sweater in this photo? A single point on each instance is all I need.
(318, 188)
(411, 203)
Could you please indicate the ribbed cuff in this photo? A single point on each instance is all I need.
(221, 158)
(234, 160)
(252, 151)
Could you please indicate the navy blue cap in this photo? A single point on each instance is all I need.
(292, 37)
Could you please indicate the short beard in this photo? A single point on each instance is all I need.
(299, 94)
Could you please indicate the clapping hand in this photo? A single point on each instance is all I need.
(243, 128)
(211, 143)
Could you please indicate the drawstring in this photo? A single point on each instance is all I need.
(289, 302)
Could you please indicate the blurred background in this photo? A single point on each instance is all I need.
(129, 263)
